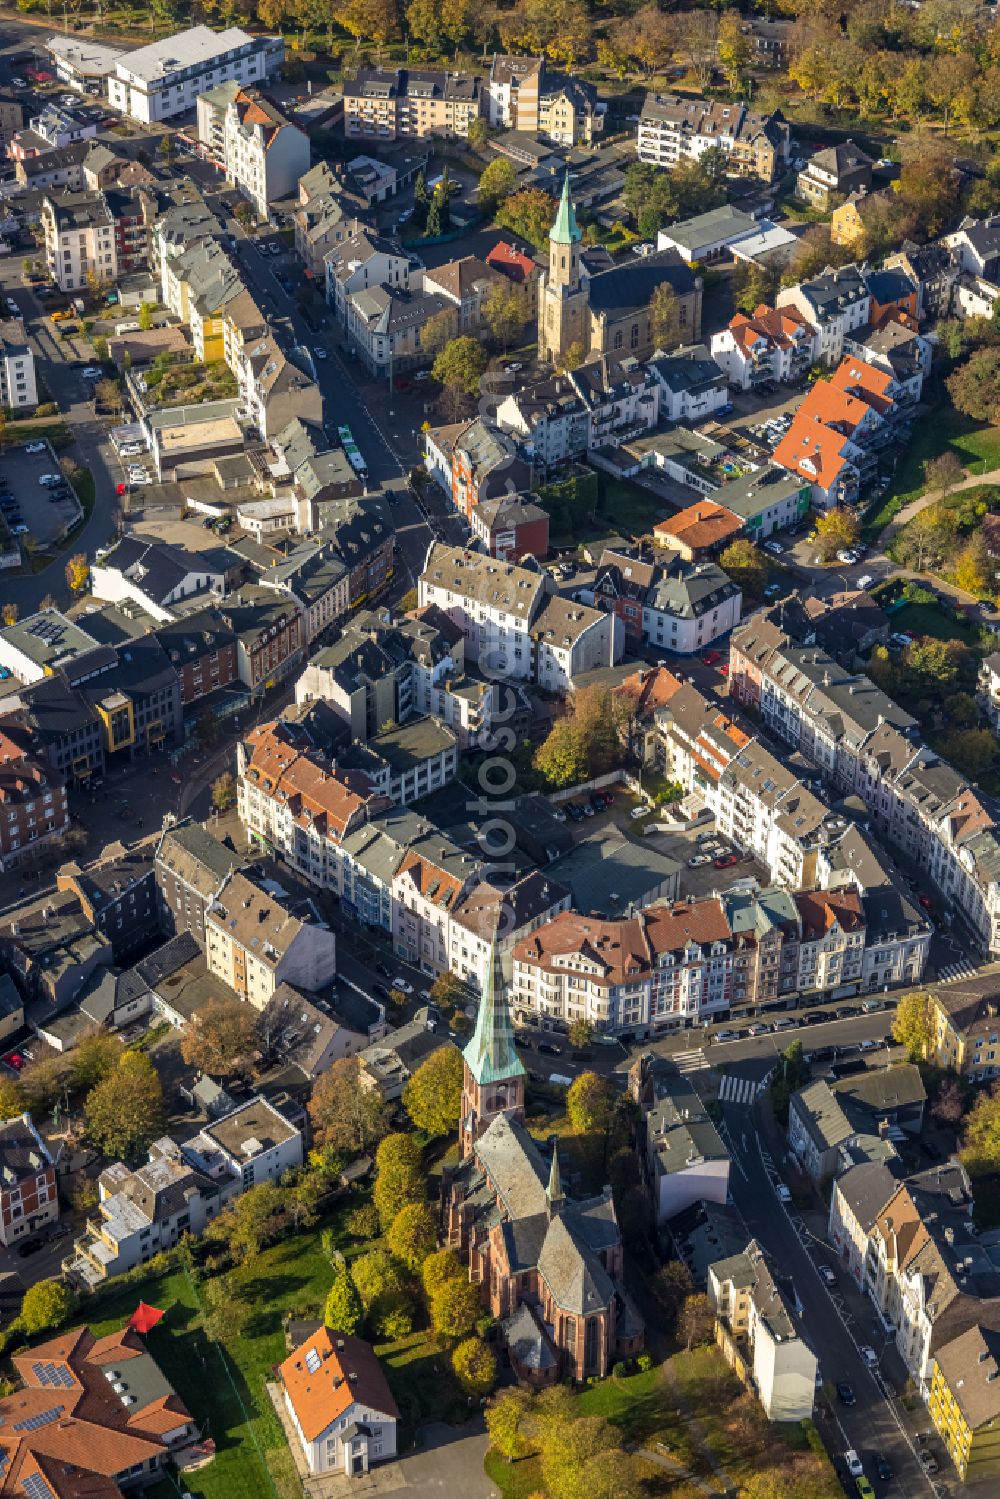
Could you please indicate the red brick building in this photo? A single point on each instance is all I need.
(203, 652)
(269, 631)
(33, 806)
(28, 1194)
(511, 528)
(550, 1269)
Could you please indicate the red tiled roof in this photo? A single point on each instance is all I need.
(344, 1372)
(812, 450)
(512, 262)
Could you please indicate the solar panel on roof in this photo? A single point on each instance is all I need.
(313, 1360)
(35, 1487)
(44, 1418)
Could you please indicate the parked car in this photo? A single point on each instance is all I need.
(638, 812)
(47, 480)
(845, 1392)
(35, 447)
(726, 861)
(827, 1276)
(725, 1036)
(586, 809)
(929, 1461)
(853, 1462)
(549, 1049)
(697, 860)
(402, 986)
(868, 1356)
(784, 1195)
(865, 1490)
(775, 548)
(573, 811)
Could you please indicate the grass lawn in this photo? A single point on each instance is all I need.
(927, 619)
(420, 1378)
(976, 446)
(627, 507)
(514, 1480)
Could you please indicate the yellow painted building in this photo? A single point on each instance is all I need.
(964, 1402)
(965, 1026)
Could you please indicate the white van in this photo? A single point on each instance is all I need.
(130, 327)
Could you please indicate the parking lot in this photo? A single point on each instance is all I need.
(44, 511)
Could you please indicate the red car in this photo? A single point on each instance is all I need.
(15, 1060)
(926, 902)
(724, 671)
(725, 861)
(710, 658)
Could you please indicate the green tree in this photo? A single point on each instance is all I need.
(734, 47)
(973, 752)
(438, 331)
(505, 1416)
(479, 133)
(227, 1310)
(664, 317)
(46, 1304)
(460, 365)
(696, 1321)
(124, 1112)
(11, 1099)
(581, 1033)
(346, 1116)
(421, 199)
(439, 1268)
(943, 472)
(672, 1285)
(503, 309)
(447, 991)
(399, 1176)
(590, 1104)
(913, 1025)
(385, 1292)
(836, 531)
(412, 1234)
(562, 757)
(221, 1038)
(753, 285)
(974, 386)
(224, 792)
(980, 1152)
(746, 566)
(93, 1058)
(568, 1446)
(433, 1095)
(343, 1309)
(475, 1367)
(252, 1221)
(146, 310)
(44, 1082)
(529, 214)
(455, 1309)
(497, 182)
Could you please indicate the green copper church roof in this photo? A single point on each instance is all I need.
(565, 230)
(491, 1055)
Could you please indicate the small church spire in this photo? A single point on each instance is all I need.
(565, 230)
(554, 1191)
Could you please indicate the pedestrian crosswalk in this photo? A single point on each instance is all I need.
(690, 1061)
(952, 971)
(740, 1089)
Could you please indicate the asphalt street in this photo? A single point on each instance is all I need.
(874, 1423)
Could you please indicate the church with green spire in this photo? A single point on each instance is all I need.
(494, 1074)
(590, 306)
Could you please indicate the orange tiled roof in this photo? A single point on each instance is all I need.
(821, 910)
(777, 324)
(865, 381)
(812, 450)
(702, 524)
(652, 688)
(624, 950)
(328, 1374)
(833, 406)
(430, 880)
(314, 795)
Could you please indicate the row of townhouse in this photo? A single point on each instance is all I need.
(674, 128)
(866, 745)
(515, 625)
(202, 285)
(669, 967)
(913, 1248)
(520, 93)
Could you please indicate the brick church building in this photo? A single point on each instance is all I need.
(549, 1268)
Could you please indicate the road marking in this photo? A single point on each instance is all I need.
(690, 1061)
(740, 1090)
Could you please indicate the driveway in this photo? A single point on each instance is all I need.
(449, 1461)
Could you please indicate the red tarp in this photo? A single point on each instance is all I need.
(144, 1318)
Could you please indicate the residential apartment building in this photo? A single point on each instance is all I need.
(757, 1331)
(165, 78)
(965, 1027)
(29, 1196)
(354, 1425)
(18, 388)
(866, 745)
(253, 944)
(364, 262)
(290, 802)
(426, 887)
(190, 868)
(964, 1402)
(513, 622)
(180, 1189)
(522, 94)
(388, 104)
(772, 343)
(832, 174)
(682, 1155)
(466, 284)
(511, 528)
(836, 303)
(600, 403)
(673, 128)
(80, 239)
(33, 804)
(264, 154)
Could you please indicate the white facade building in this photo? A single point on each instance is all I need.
(164, 79)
